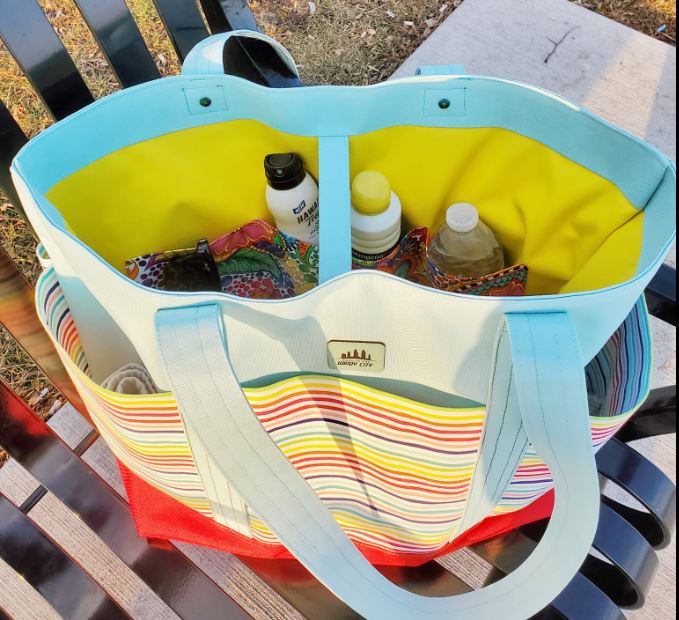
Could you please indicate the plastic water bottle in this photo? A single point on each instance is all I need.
(465, 246)
(375, 217)
(292, 197)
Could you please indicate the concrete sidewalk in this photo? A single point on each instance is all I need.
(620, 74)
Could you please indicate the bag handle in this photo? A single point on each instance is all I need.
(207, 57)
(551, 389)
(431, 70)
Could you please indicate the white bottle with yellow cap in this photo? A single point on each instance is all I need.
(375, 217)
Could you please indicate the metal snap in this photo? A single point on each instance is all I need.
(206, 102)
(444, 104)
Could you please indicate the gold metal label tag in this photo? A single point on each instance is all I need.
(358, 356)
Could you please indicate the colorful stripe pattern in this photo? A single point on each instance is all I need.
(146, 433)
(618, 381)
(395, 473)
(619, 377)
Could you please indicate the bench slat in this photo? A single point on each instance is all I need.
(225, 15)
(12, 138)
(295, 584)
(104, 566)
(183, 587)
(625, 575)
(57, 577)
(661, 295)
(17, 314)
(657, 416)
(119, 38)
(645, 482)
(581, 600)
(634, 563)
(37, 49)
(19, 600)
(183, 23)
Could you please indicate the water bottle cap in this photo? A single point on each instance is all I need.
(370, 193)
(462, 217)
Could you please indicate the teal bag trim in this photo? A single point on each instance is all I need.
(207, 56)
(167, 105)
(335, 216)
(429, 70)
(161, 107)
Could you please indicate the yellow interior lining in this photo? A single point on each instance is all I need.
(575, 230)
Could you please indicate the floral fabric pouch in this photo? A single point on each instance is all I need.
(258, 261)
(409, 261)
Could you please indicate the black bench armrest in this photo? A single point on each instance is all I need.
(661, 295)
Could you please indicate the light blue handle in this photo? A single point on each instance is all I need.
(207, 57)
(429, 70)
(549, 371)
(335, 212)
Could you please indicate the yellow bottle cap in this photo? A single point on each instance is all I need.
(370, 193)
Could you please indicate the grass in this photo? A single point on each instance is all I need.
(334, 41)
(657, 18)
(354, 42)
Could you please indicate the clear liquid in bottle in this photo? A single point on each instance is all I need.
(465, 246)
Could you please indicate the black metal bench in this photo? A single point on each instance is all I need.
(616, 576)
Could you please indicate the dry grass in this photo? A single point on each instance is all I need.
(341, 42)
(356, 41)
(657, 18)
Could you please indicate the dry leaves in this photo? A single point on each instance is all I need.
(657, 18)
(352, 42)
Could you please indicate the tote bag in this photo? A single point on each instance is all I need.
(470, 409)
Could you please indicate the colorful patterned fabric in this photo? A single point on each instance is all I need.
(259, 262)
(57, 319)
(406, 261)
(395, 473)
(149, 269)
(509, 282)
(410, 262)
(256, 261)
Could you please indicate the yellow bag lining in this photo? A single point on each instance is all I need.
(574, 229)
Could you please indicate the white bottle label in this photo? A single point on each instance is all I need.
(308, 217)
(296, 210)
